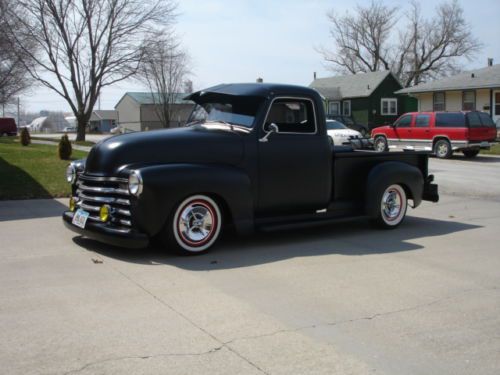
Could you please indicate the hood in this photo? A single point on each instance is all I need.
(194, 144)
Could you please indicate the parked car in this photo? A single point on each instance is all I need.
(440, 132)
(351, 124)
(70, 129)
(258, 159)
(339, 134)
(7, 126)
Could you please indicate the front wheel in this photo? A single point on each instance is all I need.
(194, 226)
(380, 144)
(392, 204)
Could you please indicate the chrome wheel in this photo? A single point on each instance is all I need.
(393, 205)
(442, 149)
(197, 223)
(380, 144)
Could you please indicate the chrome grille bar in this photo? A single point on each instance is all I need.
(104, 190)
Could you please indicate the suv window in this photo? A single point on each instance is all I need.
(474, 120)
(422, 121)
(292, 116)
(450, 120)
(404, 122)
(486, 120)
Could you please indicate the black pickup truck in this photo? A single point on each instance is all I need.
(253, 156)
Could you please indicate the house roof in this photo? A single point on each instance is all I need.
(106, 114)
(488, 77)
(152, 98)
(350, 86)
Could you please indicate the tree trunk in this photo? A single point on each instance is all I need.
(81, 128)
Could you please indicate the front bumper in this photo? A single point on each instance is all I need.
(104, 233)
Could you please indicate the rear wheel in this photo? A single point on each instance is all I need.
(470, 153)
(194, 226)
(442, 149)
(392, 203)
(380, 144)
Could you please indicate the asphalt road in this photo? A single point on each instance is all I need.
(342, 299)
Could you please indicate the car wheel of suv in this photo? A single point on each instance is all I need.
(393, 204)
(380, 144)
(442, 149)
(194, 226)
(470, 153)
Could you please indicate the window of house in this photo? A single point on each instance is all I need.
(439, 101)
(334, 108)
(346, 109)
(292, 116)
(404, 122)
(422, 121)
(468, 100)
(389, 107)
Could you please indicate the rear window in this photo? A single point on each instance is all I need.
(450, 120)
(486, 120)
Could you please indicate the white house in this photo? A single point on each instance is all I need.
(472, 90)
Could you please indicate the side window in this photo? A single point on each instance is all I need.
(404, 122)
(422, 121)
(450, 120)
(474, 120)
(292, 116)
(486, 120)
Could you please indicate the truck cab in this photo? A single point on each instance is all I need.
(253, 156)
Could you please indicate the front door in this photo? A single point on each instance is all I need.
(403, 131)
(496, 108)
(295, 162)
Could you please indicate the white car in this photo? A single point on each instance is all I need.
(340, 134)
(69, 129)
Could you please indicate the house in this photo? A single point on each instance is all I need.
(472, 90)
(42, 124)
(103, 121)
(368, 97)
(137, 111)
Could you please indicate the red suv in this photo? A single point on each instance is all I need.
(439, 132)
(7, 126)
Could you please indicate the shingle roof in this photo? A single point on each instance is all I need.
(152, 98)
(350, 86)
(104, 114)
(488, 77)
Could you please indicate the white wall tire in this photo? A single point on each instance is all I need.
(195, 225)
(393, 204)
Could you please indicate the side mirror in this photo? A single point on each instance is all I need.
(272, 128)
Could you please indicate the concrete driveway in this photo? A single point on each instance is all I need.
(342, 299)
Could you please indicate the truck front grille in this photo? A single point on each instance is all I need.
(94, 192)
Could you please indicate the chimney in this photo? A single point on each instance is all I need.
(260, 80)
(314, 76)
(490, 61)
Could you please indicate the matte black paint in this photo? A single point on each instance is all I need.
(280, 183)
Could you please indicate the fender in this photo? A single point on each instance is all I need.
(167, 185)
(393, 172)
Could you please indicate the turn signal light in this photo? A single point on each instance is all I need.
(104, 213)
(72, 204)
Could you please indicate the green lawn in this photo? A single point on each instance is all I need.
(495, 150)
(34, 171)
(56, 140)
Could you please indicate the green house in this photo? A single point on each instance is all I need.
(368, 97)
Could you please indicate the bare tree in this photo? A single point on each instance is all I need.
(425, 49)
(433, 48)
(164, 69)
(87, 44)
(361, 40)
(14, 77)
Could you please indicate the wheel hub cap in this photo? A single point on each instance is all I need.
(391, 204)
(196, 223)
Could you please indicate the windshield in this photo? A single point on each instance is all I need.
(332, 125)
(230, 110)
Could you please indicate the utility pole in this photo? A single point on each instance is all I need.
(18, 111)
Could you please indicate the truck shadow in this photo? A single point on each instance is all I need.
(349, 239)
(477, 159)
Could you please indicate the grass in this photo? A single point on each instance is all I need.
(56, 140)
(494, 150)
(34, 171)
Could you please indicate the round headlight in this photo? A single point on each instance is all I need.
(71, 173)
(135, 183)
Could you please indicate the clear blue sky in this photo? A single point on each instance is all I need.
(240, 40)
